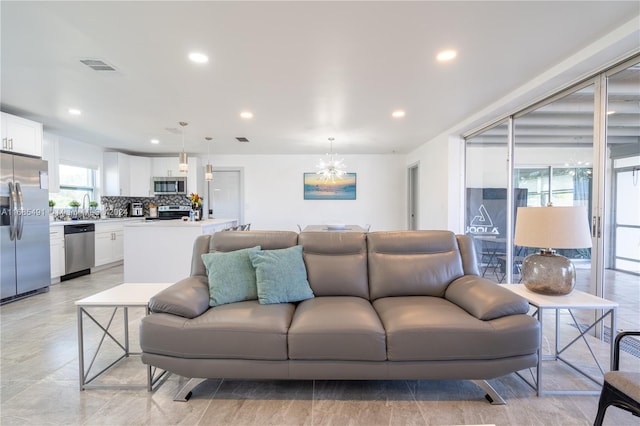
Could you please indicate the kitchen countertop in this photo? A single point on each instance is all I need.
(84, 221)
(178, 223)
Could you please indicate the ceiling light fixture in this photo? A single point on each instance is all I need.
(208, 169)
(155, 141)
(446, 55)
(246, 114)
(74, 111)
(183, 161)
(331, 169)
(398, 113)
(198, 58)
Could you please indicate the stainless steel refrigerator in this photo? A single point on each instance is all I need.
(24, 227)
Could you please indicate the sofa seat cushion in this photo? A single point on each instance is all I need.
(242, 330)
(425, 328)
(336, 328)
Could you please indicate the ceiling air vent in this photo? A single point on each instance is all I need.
(241, 139)
(97, 65)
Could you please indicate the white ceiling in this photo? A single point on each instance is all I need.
(307, 70)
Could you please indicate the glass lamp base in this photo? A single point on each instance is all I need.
(548, 273)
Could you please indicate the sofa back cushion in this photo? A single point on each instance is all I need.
(412, 263)
(468, 254)
(235, 240)
(336, 263)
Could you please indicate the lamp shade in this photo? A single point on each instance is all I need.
(552, 227)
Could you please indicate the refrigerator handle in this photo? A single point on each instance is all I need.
(20, 221)
(12, 212)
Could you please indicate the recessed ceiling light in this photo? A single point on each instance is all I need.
(155, 141)
(398, 114)
(198, 57)
(74, 111)
(446, 55)
(246, 114)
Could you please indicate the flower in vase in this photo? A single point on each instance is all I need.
(195, 199)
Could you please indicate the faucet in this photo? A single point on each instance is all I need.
(85, 197)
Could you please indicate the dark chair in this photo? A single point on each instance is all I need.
(621, 388)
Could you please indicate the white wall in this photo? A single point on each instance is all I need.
(273, 191)
(60, 149)
(441, 166)
(78, 153)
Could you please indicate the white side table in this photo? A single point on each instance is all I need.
(572, 301)
(125, 296)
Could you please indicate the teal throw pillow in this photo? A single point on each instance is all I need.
(232, 277)
(281, 275)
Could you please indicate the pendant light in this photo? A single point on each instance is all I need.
(208, 169)
(183, 161)
(331, 169)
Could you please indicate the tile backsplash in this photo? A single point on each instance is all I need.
(121, 204)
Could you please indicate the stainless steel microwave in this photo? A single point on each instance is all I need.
(169, 185)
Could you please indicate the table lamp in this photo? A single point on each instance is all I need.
(550, 228)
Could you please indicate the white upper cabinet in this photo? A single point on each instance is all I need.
(195, 176)
(139, 176)
(21, 136)
(165, 166)
(126, 175)
(116, 174)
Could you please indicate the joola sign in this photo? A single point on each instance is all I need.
(482, 223)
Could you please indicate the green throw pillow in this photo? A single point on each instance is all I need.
(281, 275)
(232, 277)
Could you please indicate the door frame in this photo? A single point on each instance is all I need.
(413, 196)
(240, 170)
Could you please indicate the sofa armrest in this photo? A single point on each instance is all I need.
(484, 299)
(187, 298)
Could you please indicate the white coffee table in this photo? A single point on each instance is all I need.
(125, 296)
(575, 300)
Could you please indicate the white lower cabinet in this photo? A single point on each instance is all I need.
(56, 243)
(109, 243)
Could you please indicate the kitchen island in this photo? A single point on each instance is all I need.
(160, 250)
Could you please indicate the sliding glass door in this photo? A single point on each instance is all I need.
(580, 147)
(486, 201)
(553, 156)
(617, 223)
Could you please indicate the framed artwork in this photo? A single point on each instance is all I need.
(343, 188)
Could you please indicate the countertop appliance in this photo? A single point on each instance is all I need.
(173, 212)
(135, 209)
(79, 250)
(25, 267)
(170, 185)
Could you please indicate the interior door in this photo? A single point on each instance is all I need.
(413, 197)
(226, 195)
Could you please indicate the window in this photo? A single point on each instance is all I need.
(568, 186)
(75, 183)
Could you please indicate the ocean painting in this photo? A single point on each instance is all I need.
(344, 188)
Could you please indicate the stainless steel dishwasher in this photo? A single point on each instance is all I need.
(79, 250)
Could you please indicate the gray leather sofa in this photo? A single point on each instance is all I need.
(387, 305)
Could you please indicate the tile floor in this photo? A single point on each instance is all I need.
(39, 384)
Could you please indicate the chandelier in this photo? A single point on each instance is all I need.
(183, 162)
(331, 169)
